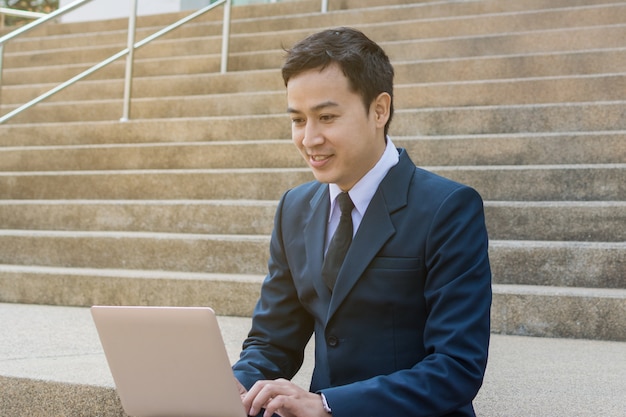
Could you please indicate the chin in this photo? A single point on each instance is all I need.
(323, 178)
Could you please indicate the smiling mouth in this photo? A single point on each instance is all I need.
(318, 158)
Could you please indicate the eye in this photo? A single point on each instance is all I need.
(327, 117)
(297, 121)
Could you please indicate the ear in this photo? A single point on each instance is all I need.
(382, 106)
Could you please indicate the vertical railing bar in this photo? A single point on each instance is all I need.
(64, 85)
(177, 24)
(225, 37)
(130, 59)
(1, 59)
(324, 6)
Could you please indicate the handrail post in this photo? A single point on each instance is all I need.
(1, 67)
(128, 80)
(324, 6)
(225, 37)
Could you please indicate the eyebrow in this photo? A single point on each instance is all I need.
(317, 107)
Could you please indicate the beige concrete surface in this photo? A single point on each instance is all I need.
(525, 377)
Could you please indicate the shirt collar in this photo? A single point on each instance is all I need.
(363, 191)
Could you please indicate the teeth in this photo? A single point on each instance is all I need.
(318, 158)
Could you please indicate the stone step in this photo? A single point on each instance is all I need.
(599, 221)
(559, 312)
(517, 149)
(198, 61)
(581, 182)
(597, 25)
(192, 35)
(491, 6)
(240, 12)
(229, 294)
(294, 18)
(413, 26)
(562, 264)
(115, 30)
(221, 217)
(508, 43)
(187, 155)
(529, 310)
(562, 64)
(503, 149)
(232, 254)
(250, 11)
(151, 72)
(255, 184)
(543, 90)
(546, 220)
(542, 64)
(174, 85)
(577, 264)
(551, 117)
(254, 11)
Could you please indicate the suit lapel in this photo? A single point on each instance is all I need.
(375, 230)
(314, 234)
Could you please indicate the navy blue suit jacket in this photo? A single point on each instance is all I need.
(406, 330)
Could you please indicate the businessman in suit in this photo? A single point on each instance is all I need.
(404, 328)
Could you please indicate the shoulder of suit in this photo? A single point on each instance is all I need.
(304, 192)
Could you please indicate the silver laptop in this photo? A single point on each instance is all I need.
(168, 361)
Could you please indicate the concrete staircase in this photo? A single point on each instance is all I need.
(524, 100)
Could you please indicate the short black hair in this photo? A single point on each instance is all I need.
(362, 61)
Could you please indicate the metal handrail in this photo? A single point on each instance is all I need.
(129, 51)
(4, 11)
(21, 13)
(44, 19)
(32, 25)
(126, 51)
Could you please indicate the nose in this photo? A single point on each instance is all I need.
(312, 135)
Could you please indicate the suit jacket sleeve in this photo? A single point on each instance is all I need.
(281, 327)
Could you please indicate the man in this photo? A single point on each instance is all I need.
(404, 330)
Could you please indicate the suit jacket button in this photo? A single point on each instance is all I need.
(332, 341)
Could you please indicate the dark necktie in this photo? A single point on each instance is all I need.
(340, 242)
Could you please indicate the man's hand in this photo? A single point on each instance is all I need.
(283, 398)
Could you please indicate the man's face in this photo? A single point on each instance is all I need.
(340, 140)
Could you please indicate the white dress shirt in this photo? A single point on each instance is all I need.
(362, 192)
